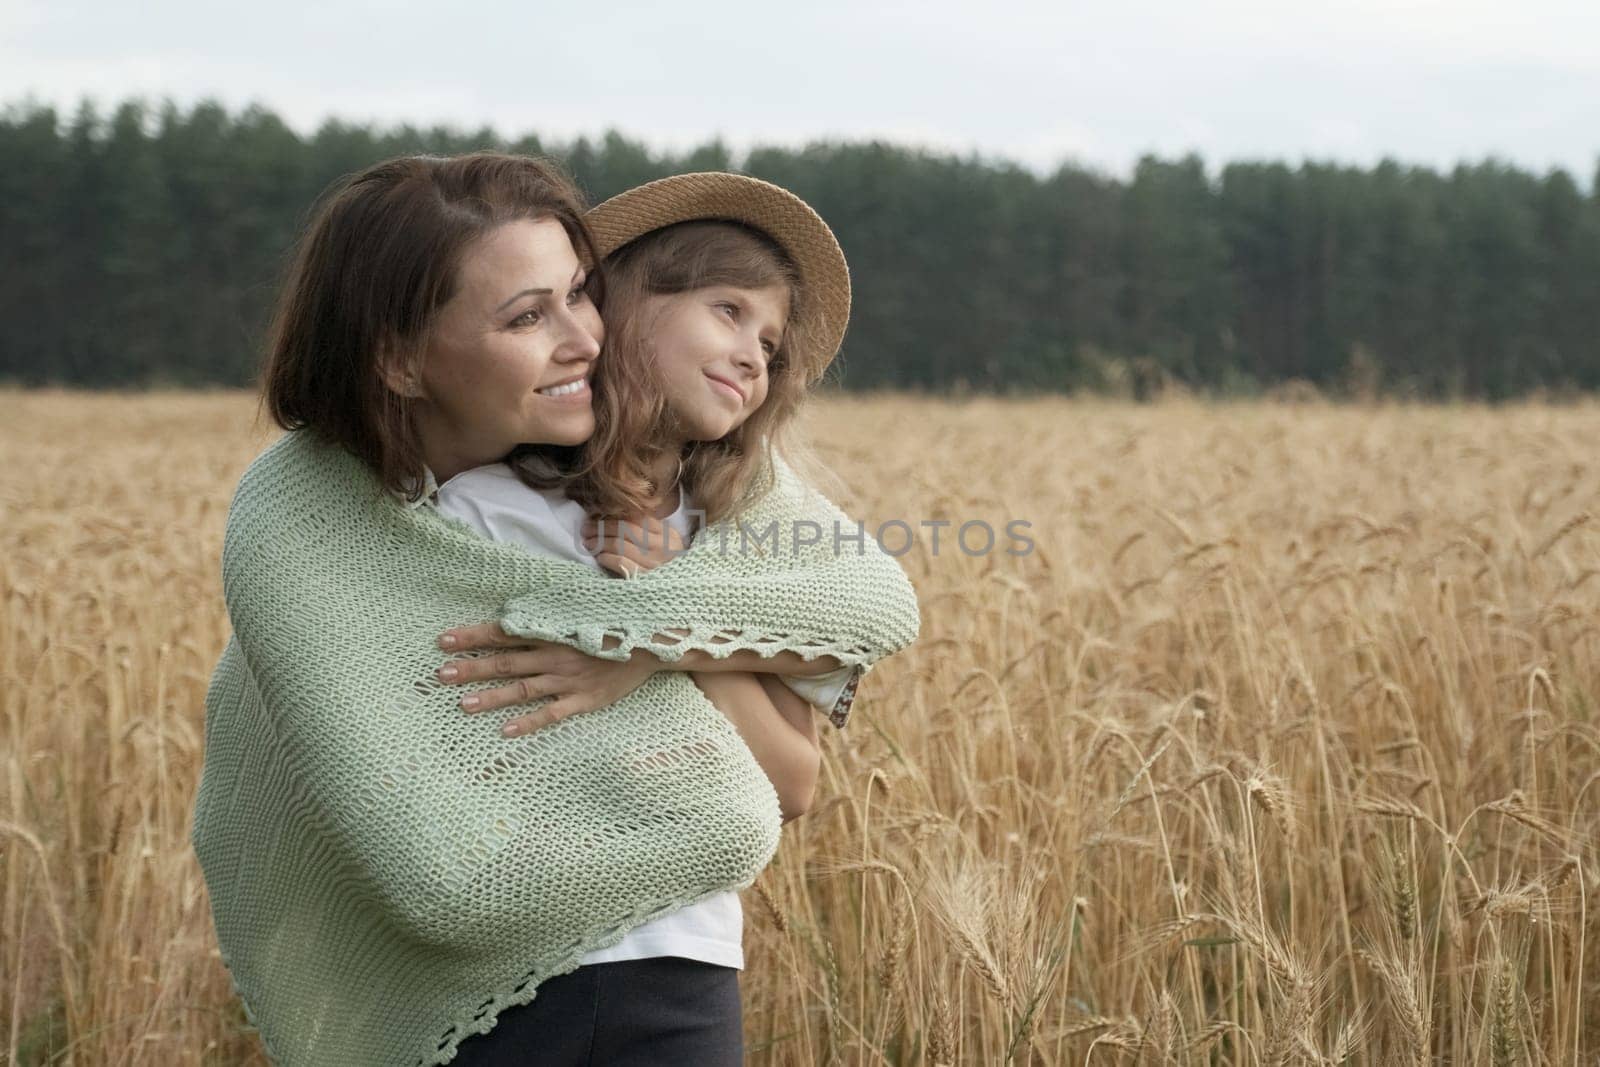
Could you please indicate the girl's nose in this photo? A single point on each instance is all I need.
(747, 354)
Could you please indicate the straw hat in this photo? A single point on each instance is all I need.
(782, 216)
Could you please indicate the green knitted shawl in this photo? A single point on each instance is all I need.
(386, 873)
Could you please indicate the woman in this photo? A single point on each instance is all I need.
(386, 879)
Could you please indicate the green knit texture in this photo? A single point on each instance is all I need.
(387, 873)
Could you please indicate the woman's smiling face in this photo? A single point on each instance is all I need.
(511, 352)
(711, 349)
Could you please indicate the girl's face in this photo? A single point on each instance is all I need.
(712, 347)
(511, 353)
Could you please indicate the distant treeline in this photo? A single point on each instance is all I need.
(145, 246)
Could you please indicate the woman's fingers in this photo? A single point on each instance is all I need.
(522, 691)
(484, 635)
(592, 684)
(511, 664)
(551, 713)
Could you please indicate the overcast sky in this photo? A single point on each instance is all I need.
(1097, 83)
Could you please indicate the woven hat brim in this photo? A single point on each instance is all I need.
(788, 220)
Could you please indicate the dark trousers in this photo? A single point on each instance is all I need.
(656, 1012)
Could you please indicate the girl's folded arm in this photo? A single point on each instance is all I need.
(779, 728)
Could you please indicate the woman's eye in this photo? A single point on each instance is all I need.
(770, 349)
(575, 297)
(731, 309)
(527, 318)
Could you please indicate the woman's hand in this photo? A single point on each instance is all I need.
(573, 682)
(625, 547)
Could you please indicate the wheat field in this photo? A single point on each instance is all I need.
(1282, 746)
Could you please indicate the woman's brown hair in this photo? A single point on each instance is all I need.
(611, 474)
(377, 263)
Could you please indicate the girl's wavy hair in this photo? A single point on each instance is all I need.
(378, 261)
(609, 474)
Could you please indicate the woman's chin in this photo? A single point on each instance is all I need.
(572, 431)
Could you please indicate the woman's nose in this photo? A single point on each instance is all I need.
(580, 341)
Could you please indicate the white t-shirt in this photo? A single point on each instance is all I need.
(493, 501)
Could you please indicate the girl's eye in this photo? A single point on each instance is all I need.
(770, 349)
(731, 309)
(575, 297)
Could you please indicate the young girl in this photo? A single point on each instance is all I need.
(725, 297)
